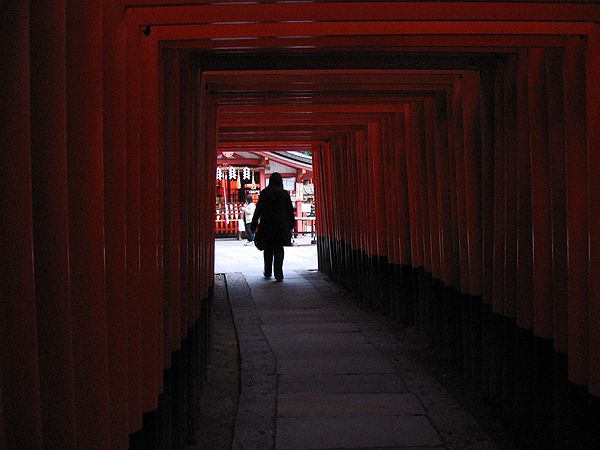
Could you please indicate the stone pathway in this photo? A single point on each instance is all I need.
(220, 393)
(319, 373)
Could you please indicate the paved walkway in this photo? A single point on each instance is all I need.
(318, 372)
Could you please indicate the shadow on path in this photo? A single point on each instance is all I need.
(319, 372)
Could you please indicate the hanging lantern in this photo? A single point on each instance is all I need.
(246, 173)
(239, 181)
(232, 173)
(219, 174)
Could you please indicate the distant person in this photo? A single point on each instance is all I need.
(248, 210)
(274, 216)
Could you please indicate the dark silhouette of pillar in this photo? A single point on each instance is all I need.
(133, 241)
(18, 324)
(115, 205)
(86, 221)
(51, 222)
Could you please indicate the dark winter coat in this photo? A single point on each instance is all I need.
(274, 216)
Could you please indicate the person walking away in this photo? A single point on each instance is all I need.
(248, 210)
(275, 216)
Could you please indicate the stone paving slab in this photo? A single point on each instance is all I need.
(325, 364)
(329, 383)
(456, 427)
(333, 351)
(306, 304)
(348, 405)
(258, 380)
(259, 284)
(316, 384)
(299, 316)
(319, 339)
(344, 432)
(307, 328)
(233, 256)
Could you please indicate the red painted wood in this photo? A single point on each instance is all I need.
(471, 90)
(355, 175)
(317, 167)
(400, 203)
(339, 210)
(50, 219)
(420, 175)
(472, 43)
(377, 182)
(292, 111)
(432, 195)
(498, 277)
(343, 207)
(403, 205)
(452, 131)
(206, 232)
(423, 199)
(86, 221)
(350, 202)
(18, 341)
(361, 11)
(556, 145)
(333, 79)
(510, 175)
(150, 295)
(349, 207)
(115, 216)
(541, 195)
(593, 124)
(420, 188)
(335, 148)
(369, 231)
(411, 136)
(512, 247)
(445, 195)
(360, 219)
(577, 211)
(169, 86)
(133, 186)
(191, 164)
(359, 28)
(487, 182)
(351, 213)
(524, 227)
(186, 245)
(459, 170)
(391, 177)
(328, 189)
(207, 107)
(360, 214)
(210, 168)
(438, 127)
(443, 191)
(162, 301)
(3, 442)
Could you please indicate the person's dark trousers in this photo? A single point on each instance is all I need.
(249, 233)
(274, 259)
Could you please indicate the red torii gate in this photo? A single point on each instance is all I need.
(85, 243)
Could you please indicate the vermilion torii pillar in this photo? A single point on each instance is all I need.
(51, 220)
(86, 221)
(18, 324)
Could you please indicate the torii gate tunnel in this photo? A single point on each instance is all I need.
(470, 132)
